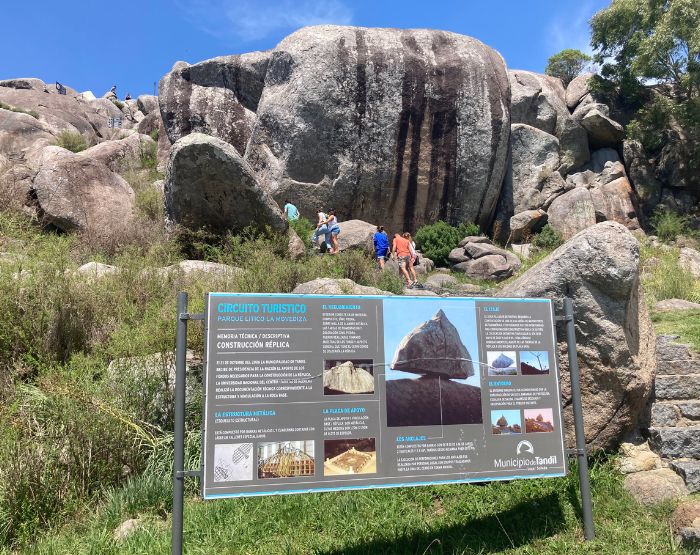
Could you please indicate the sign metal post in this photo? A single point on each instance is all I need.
(179, 472)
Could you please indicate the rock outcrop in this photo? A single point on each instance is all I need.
(376, 123)
(434, 348)
(209, 185)
(482, 260)
(330, 286)
(599, 269)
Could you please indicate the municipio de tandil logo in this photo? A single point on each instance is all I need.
(525, 447)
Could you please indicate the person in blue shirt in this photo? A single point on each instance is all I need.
(381, 245)
(290, 211)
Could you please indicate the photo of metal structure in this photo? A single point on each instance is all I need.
(286, 459)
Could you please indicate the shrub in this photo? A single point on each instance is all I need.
(154, 135)
(118, 103)
(669, 225)
(547, 239)
(71, 140)
(437, 240)
(148, 155)
(303, 228)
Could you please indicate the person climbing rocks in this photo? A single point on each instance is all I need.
(401, 251)
(321, 229)
(290, 211)
(128, 96)
(381, 245)
(333, 231)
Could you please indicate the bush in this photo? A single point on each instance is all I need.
(118, 103)
(669, 225)
(303, 228)
(154, 135)
(547, 239)
(148, 155)
(71, 140)
(437, 240)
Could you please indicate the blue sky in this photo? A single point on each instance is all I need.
(403, 316)
(93, 45)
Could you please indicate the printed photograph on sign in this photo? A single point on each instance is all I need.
(538, 420)
(348, 376)
(504, 422)
(349, 456)
(501, 363)
(432, 372)
(534, 363)
(286, 459)
(233, 462)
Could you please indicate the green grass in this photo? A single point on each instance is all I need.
(32, 113)
(71, 140)
(685, 323)
(524, 517)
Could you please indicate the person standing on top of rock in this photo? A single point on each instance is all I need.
(321, 229)
(381, 245)
(401, 250)
(290, 211)
(333, 230)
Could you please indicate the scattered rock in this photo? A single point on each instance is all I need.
(599, 269)
(671, 305)
(125, 529)
(689, 261)
(97, 270)
(329, 286)
(441, 280)
(434, 348)
(525, 224)
(484, 261)
(120, 155)
(637, 458)
(208, 184)
(654, 486)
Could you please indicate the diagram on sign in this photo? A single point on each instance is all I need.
(233, 462)
(425, 385)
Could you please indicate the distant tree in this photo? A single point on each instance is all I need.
(650, 39)
(568, 64)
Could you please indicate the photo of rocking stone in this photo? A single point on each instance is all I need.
(348, 377)
(438, 395)
(349, 456)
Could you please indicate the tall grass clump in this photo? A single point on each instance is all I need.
(70, 140)
(663, 278)
(669, 225)
(303, 228)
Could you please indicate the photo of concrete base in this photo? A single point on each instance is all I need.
(286, 459)
(349, 456)
(233, 462)
(348, 377)
(534, 363)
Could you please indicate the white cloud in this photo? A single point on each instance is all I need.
(571, 30)
(250, 20)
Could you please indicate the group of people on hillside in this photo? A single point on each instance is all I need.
(403, 248)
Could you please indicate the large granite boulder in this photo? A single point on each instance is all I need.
(599, 269)
(641, 174)
(434, 348)
(540, 101)
(572, 212)
(147, 104)
(577, 89)
(208, 185)
(398, 126)
(602, 131)
(74, 192)
(20, 132)
(218, 97)
(356, 234)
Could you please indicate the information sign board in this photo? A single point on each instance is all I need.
(316, 393)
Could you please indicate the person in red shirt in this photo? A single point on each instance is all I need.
(401, 251)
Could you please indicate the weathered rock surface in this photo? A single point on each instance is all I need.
(689, 470)
(208, 184)
(616, 201)
(122, 154)
(641, 173)
(676, 442)
(655, 486)
(637, 458)
(526, 223)
(602, 131)
(375, 123)
(540, 101)
(671, 305)
(218, 97)
(572, 212)
(147, 104)
(599, 269)
(346, 378)
(75, 192)
(356, 234)
(431, 401)
(329, 286)
(19, 132)
(689, 261)
(481, 260)
(577, 89)
(434, 348)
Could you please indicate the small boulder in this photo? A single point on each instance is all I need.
(672, 305)
(125, 529)
(330, 286)
(475, 239)
(95, 270)
(577, 89)
(526, 223)
(689, 261)
(121, 154)
(602, 131)
(637, 458)
(147, 104)
(356, 234)
(457, 255)
(440, 281)
(654, 486)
